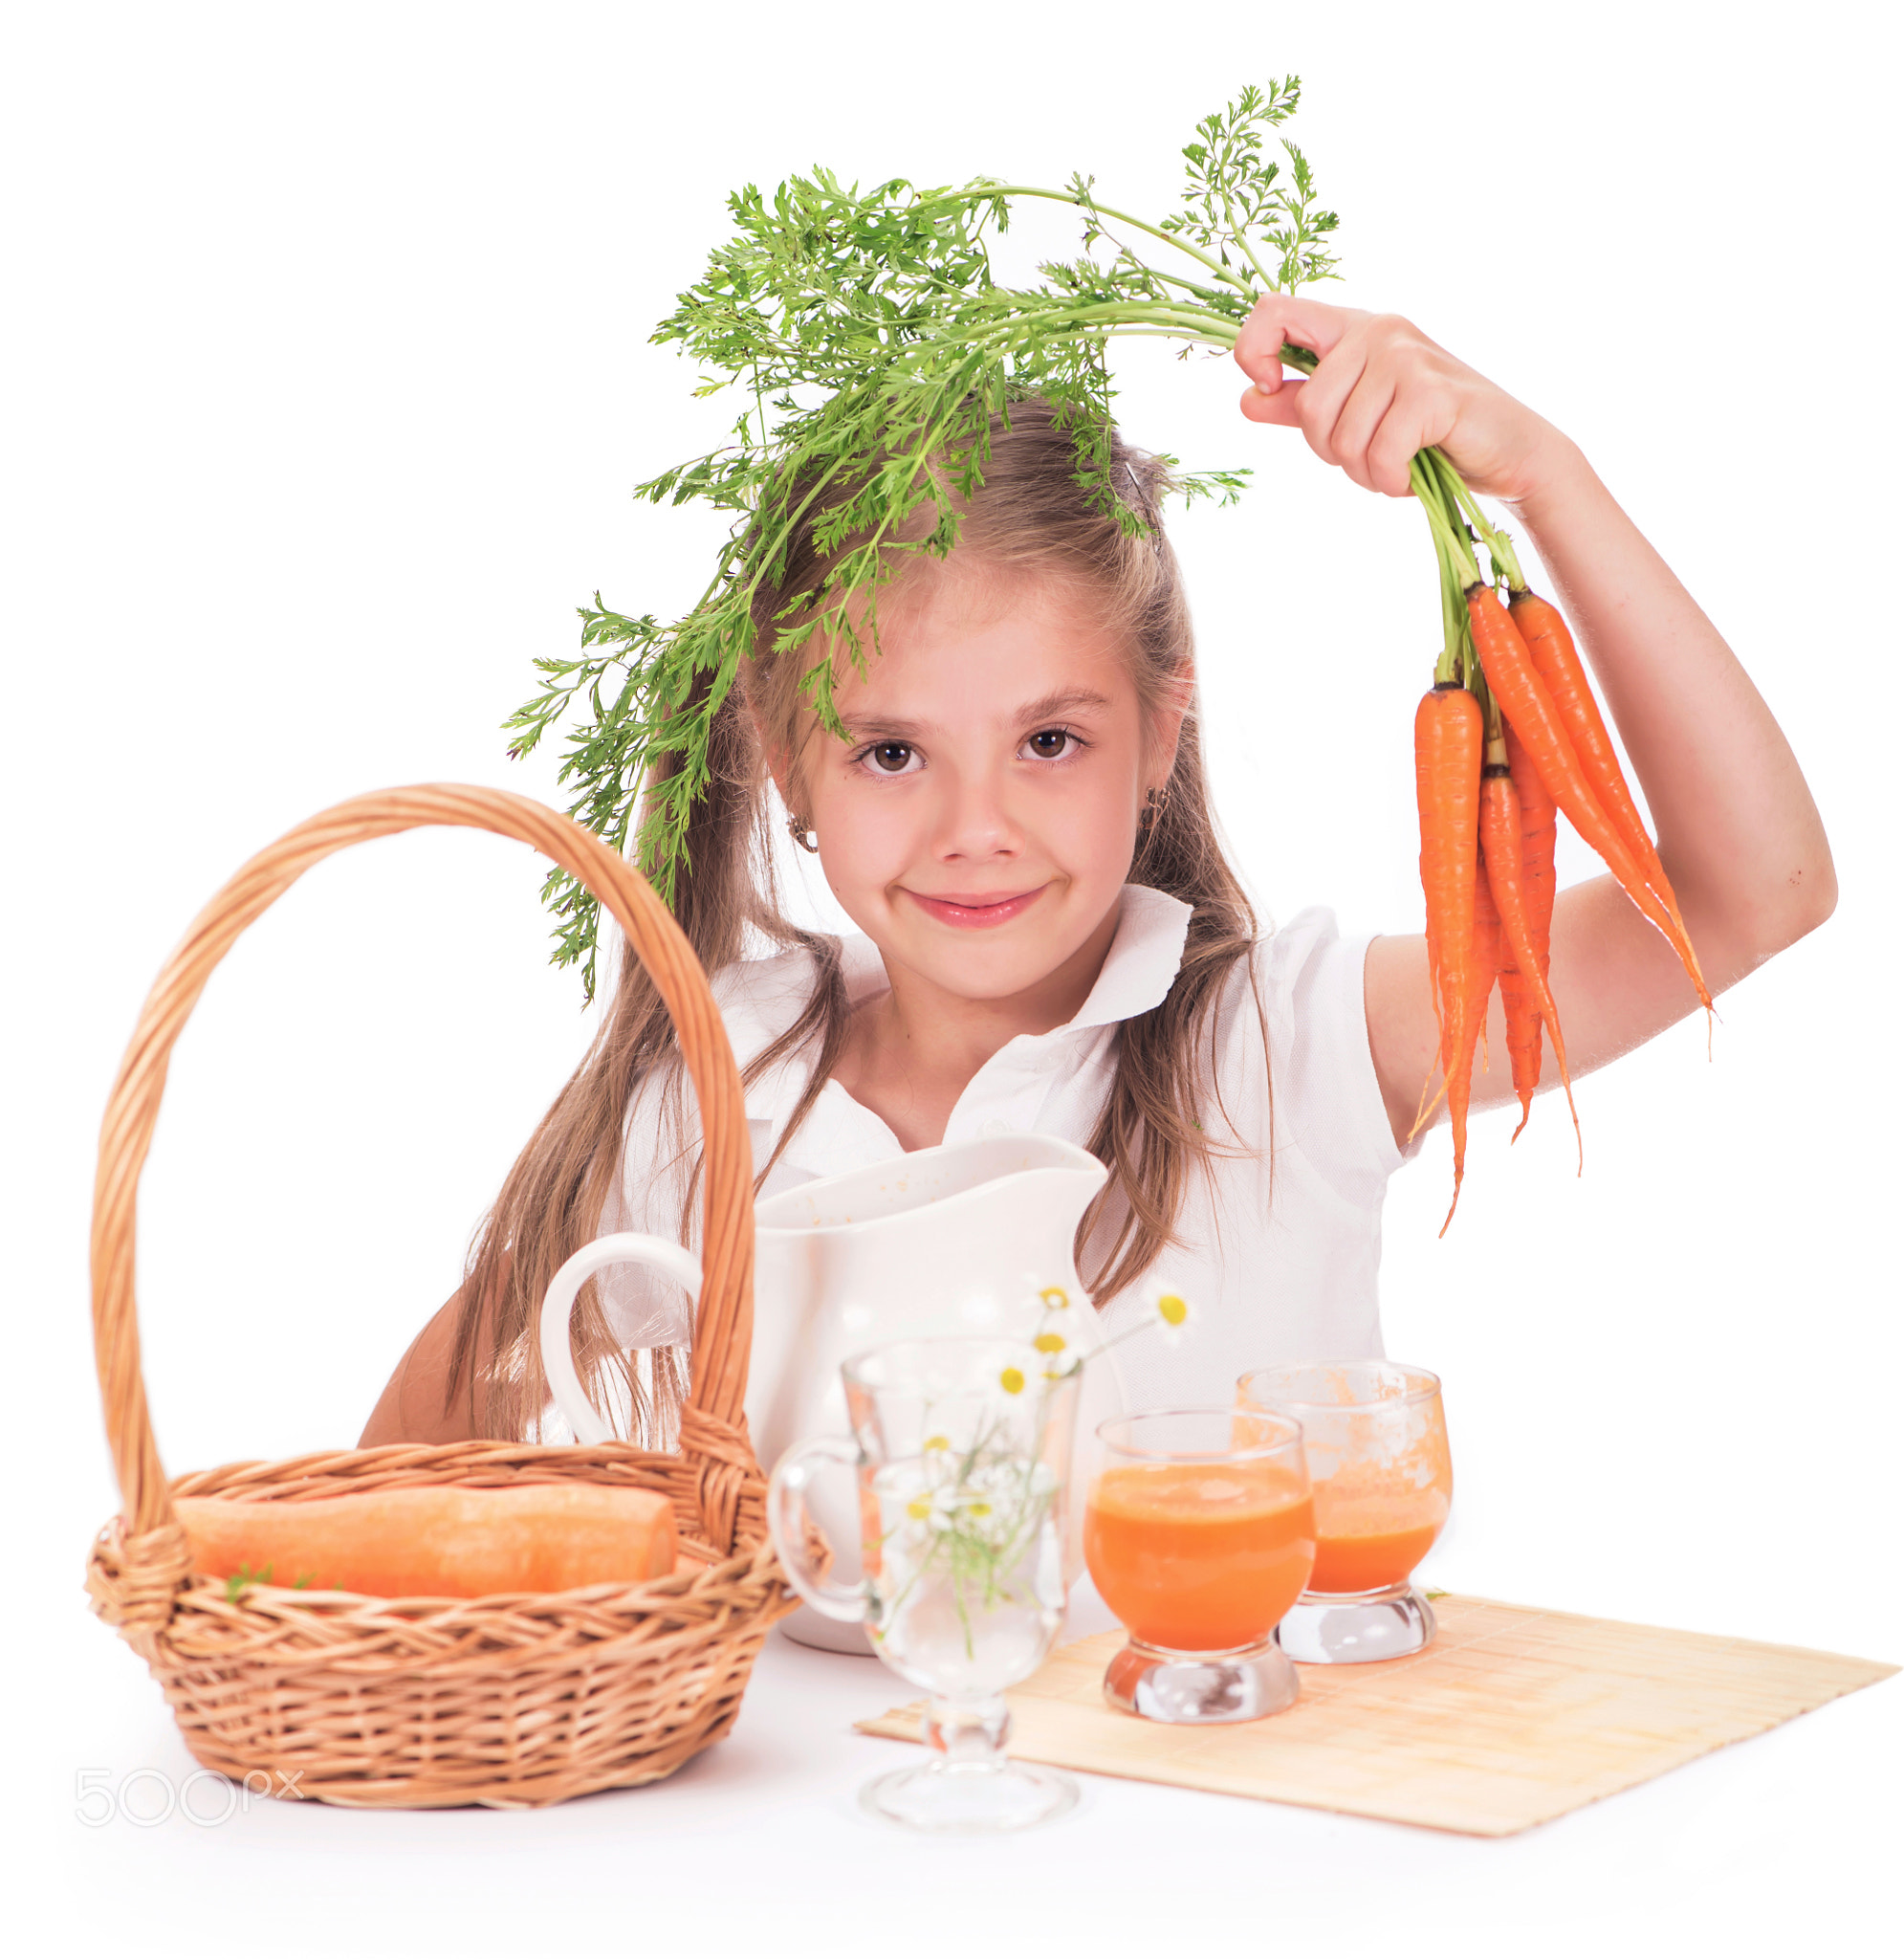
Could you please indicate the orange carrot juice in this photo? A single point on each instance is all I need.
(1199, 1557)
(1365, 1543)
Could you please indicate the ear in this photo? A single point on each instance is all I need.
(1166, 718)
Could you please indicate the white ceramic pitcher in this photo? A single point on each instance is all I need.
(955, 1240)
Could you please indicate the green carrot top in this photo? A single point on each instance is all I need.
(865, 337)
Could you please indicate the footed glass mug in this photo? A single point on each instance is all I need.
(1377, 1443)
(962, 1453)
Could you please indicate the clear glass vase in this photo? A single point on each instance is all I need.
(962, 1453)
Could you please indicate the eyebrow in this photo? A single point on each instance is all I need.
(1055, 706)
(1052, 708)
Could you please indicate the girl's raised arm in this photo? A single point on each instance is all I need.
(1739, 833)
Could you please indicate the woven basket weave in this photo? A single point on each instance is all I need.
(509, 1701)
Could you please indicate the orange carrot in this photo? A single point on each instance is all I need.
(1550, 648)
(1482, 958)
(1500, 852)
(1537, 897)
(1524, 700)
(1447, 784)
(438, 1540)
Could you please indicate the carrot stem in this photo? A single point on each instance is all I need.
(1500, 547)
(1456, 559)
(1452, 665)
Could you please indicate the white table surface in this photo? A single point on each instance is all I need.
(319, 435)
(758, 1845)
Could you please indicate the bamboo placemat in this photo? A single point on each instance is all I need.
(1512, 1716)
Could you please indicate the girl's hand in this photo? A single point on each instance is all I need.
(1382, 391)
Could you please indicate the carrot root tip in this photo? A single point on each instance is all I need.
(1453, 1201)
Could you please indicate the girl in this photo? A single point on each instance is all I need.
(1054, 939)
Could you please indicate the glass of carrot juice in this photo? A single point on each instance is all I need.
(1199, 1533)
(1377, 1445)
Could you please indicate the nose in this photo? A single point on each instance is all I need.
(975, 823)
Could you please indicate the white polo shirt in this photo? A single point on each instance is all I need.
(1281, 1242)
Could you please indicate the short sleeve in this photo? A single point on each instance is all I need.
(1329, 1100)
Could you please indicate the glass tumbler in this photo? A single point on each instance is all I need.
(962, 1451)
(1200, 1532)
(1377, 1442)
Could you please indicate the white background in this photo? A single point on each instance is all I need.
(326, 378)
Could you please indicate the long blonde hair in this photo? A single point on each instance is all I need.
(1035, 515)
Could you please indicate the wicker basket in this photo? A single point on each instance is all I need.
(509, 1701)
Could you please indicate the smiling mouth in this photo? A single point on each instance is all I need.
(975, 909)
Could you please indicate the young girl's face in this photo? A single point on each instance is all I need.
(979, 825)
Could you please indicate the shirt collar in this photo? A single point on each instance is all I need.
(760, 999)
(1145, 958)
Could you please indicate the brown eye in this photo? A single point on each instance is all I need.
(1048, 743)
(891, 756)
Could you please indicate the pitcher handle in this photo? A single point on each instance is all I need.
(631, 1247)
(787, 1526)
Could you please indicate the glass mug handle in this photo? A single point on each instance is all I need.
(623, 1247)
(787, 1524)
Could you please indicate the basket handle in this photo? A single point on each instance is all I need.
(724, 1323)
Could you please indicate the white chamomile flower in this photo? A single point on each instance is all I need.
(1054, 1299)
(1057, 1356)
(1068, 1365)
(1173, 1313)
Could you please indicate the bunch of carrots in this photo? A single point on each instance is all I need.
(1508, 734)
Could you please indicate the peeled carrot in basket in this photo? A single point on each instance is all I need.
(438, 1540)
(1538, 837)
(1550, 648)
